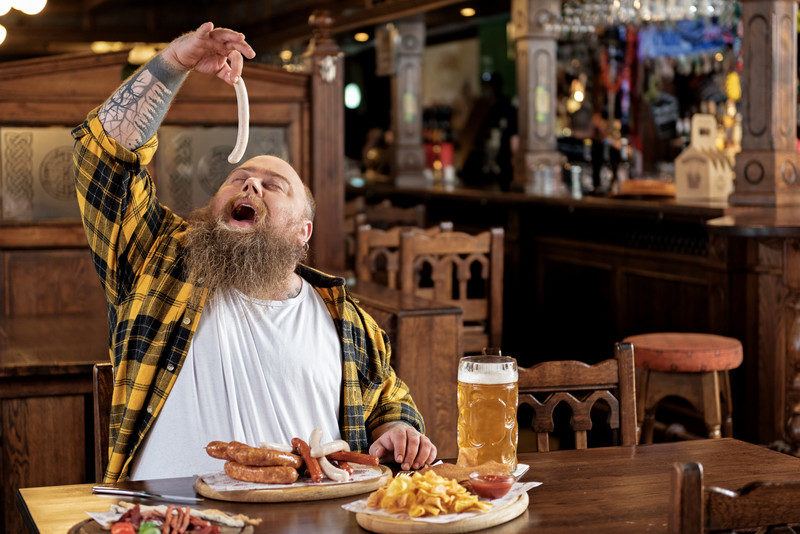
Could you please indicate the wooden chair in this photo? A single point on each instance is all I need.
(350, 228)
(386, 215)
(378, 251)
(102, 387)
(765, 507)
(544, 386)
(354, 207)
(451, 257)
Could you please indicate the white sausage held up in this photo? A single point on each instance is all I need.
(243, 134)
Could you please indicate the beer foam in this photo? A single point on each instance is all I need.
(489, 374)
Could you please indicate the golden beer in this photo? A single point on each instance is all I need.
(487, 410)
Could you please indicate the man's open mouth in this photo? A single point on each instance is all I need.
(244, 212)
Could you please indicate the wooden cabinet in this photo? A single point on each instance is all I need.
(44, 442)
(426, 346)
(46, 425)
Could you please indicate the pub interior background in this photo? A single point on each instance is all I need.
(640, 157)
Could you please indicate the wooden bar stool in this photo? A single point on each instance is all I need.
(690, 366)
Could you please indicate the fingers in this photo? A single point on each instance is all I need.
(237, 64)
(432, 455)
(224, 71)
(425, 449)
(407, 446)
(225, 34)
(232, 41)
(398, 440)
(412, 448)
(204, 29)
(377, 449)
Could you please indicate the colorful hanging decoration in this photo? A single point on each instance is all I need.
(622, 81)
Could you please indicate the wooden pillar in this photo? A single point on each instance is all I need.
(325, 64)
(408, 156)
(536, 87)
(767, 167)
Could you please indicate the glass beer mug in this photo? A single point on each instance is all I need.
(487, 410)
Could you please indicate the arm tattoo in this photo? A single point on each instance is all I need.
(135, 111)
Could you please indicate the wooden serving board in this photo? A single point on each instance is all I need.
(492, 518)
(299, 493)
(90, 526)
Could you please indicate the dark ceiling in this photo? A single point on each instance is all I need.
(72, 25)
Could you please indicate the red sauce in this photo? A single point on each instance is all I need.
(491, 486)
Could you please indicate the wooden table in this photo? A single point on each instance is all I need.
(617, 489)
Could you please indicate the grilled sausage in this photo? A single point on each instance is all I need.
(258, 457)
(312, 464)
(218, 449)
(354, 458)
(279, 474)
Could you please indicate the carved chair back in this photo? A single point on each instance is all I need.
(765, 507)
(386, 215)
(383, 215)
(102, 387)
(546, 385)
(350, 228)
(378, 251)
(464, 270)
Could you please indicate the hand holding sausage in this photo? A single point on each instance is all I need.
(210, 50)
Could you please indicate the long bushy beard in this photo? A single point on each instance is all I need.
(257, 262)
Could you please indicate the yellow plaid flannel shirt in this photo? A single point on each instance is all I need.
(153, 310)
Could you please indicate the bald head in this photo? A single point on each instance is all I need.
(274, 166)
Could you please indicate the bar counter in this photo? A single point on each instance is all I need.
(588, 272)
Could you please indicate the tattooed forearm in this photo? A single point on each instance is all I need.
(135, 111)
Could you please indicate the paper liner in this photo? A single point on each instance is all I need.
(219, 481)
(360, 507)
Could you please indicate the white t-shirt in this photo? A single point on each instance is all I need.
(256, 371)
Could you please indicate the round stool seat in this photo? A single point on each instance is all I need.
(686, 353)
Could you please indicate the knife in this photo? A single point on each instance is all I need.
(107, 490)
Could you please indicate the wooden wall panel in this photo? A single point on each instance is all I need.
(573, 294)
(682, 303)
(44, 443)
(42, 282)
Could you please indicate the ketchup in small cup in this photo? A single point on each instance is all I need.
(491, 486)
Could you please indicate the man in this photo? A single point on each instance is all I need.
(217, 331)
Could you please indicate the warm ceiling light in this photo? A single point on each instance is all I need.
(29, 7)
(719, 57)
(467, 12)
(361, 37)
(3, 33)
(103, 47)
(5, 7)
(141, 53)
(286, 55)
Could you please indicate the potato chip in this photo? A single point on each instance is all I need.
(425, 494)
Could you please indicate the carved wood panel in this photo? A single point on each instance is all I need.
(767, 168)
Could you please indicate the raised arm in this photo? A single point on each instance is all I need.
(135, 111)
(121, 214)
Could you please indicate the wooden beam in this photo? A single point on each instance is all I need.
(59, 34)
(279, 32)
(91, 5)
(387, 12)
